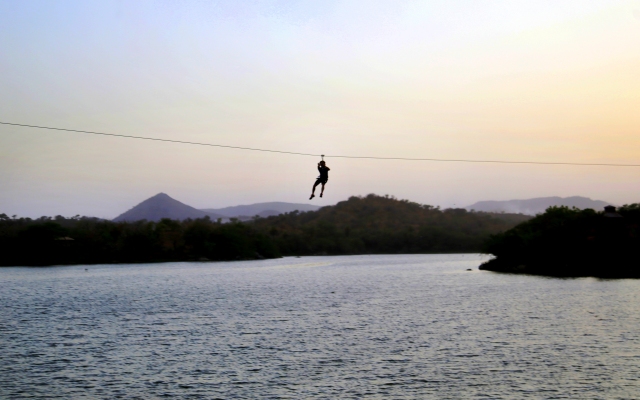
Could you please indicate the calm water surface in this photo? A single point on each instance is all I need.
(392, 327)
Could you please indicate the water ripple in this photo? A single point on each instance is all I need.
(399, 327)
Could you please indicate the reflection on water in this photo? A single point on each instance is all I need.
(409, 326)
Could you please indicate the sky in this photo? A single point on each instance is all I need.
(548, 81)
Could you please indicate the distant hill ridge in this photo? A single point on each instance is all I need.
(163, 206)
(537, 205)
(261, 209)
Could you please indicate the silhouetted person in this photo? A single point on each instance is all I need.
(322, 179)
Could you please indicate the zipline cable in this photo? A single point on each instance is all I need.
(322, 155)
(157, 139)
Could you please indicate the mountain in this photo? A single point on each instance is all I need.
(537, 205)
(162, 206)
(261, 209)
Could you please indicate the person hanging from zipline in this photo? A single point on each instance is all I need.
(322, 179)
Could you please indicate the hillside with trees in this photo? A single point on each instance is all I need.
(360, 225)
(571, 242)
(376, 224)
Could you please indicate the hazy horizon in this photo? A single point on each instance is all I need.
(528, 80)
(210, 209)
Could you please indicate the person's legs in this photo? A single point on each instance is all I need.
(313, 190)
(322, 191)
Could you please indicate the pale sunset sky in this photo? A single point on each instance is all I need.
(550, 81)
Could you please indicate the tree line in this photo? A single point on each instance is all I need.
(360, 225)
(571, 242)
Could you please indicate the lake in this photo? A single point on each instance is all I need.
(391, 326)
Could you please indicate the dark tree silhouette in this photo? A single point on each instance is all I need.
(571, 242)
(360, 225)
